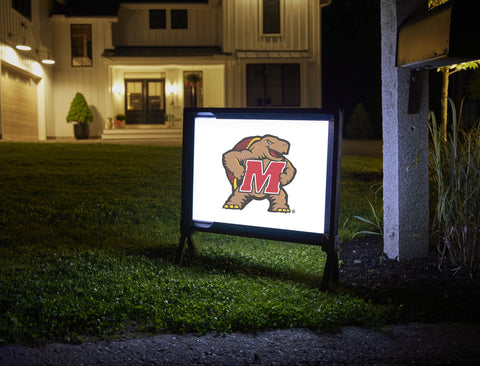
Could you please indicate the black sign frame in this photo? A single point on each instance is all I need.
(328, 240)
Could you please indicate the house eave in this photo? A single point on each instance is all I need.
(163, 61)
(81, 19)
(154, 54)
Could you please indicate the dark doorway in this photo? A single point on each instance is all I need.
(145, 101)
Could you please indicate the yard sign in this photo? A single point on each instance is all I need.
(264, 173)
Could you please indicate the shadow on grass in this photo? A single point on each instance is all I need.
(224, 263)
(209, 262)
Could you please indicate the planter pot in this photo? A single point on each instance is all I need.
(81, 131)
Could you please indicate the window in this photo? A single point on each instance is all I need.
(158, 19)
(273, 85)
(81, 45)
(134, 95)
(271, 17)
(24, 7)
(156, 95)
(179, 19)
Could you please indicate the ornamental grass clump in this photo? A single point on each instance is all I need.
(455, 181)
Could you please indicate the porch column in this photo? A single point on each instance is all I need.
(405, 144)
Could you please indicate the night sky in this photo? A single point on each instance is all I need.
(351, 58)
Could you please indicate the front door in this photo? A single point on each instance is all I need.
(145, 101)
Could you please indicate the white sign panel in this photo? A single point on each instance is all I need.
(268, 173)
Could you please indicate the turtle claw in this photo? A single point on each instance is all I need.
(231, 206)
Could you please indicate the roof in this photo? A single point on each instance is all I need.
(85, 8)
(92, 8)
(162, 51)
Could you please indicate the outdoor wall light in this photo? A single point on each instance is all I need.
(23, 46)
(46, 60)
(172, 89)
(118, 89)
(20, 45)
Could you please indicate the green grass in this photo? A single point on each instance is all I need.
(88, 234)
(361, 185)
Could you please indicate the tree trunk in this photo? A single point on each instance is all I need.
(444, 98)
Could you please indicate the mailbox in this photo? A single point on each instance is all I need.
(446, 35)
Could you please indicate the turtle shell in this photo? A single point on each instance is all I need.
(244, 144)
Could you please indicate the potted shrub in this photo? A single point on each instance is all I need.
(120, 120)
(81, 115)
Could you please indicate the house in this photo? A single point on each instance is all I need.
(147, 60)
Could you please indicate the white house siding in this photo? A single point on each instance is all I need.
(91, 81)
(214, 87)
(11, 22)
(299, 42)
(245, 33)
(36, 33)
(133, 27)
(93, 84)
(235, 84)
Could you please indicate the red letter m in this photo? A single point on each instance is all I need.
(254, 171)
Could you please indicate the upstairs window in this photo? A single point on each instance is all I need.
(271, 17)
(81, 39)
(24, 7)
(179, 19)
(158, 19)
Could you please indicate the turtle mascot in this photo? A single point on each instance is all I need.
(257, 169)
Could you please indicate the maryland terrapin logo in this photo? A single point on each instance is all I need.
(257, 169)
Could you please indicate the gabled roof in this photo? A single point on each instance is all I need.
(85, 8)
(99, 8)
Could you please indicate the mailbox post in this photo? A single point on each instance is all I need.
(424, 40)
(405, 136)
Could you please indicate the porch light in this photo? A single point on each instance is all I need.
(172, 89)
(118, 89)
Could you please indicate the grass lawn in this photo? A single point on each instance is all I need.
(88, 234)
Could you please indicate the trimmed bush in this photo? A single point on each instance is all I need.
(359, 125)
(79, 110)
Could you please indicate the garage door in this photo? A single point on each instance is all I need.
(19, 105)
